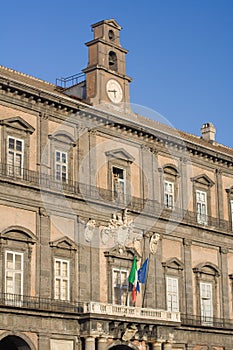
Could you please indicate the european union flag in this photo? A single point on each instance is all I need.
(142, 272)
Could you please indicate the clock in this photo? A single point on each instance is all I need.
(114, 91)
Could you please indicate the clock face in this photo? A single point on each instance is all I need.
(114, 91)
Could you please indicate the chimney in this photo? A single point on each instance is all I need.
(208, 132)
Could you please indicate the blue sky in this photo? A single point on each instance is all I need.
(180, 51)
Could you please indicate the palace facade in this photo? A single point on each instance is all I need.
(88, 188)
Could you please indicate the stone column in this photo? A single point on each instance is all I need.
(43, 342)
(225, 282)
(157, 345)
(188, 283)
(102, 343)
(167, 345)
(89, 343)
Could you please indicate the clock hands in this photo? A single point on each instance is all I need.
(114, 91)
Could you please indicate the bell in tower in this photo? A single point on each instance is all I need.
(106, 79)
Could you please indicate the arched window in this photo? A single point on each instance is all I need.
(207, 275)
(112, 60)
(170, 188)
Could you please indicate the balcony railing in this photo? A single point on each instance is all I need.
(94, 193)
(45, 304)
(202, 321)
(134, 312)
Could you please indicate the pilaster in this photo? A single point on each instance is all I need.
(188, 285)
(45, 254)
(224, 280)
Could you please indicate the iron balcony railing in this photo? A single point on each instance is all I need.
(206, 321)
(70, 81)
(80, 308)
(98, 194)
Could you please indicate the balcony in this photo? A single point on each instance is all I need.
(29, 178)
(130, 312)
(14, 301)
(206, 322)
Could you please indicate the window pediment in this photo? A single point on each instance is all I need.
(174, 264)
(18, 233)
(63, 243)
(120, 154)
(121, 253)
(63, 137)
(170, 169)
(230, 190)
(19, 124)
(207, 268)
(203, 180)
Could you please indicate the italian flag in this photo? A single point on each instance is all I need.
(133, 280)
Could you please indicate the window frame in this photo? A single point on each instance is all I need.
(118, 195)
(168, 195)
(15, 152)
(207, 273)
(61, 164)
(202, 183)
(121, 271)
(63, 142)
(206, 319)
(14, 271)
(169, 174)
(202, 218)
(62, 279)
(172, 294)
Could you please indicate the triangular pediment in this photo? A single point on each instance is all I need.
(173, 263)
(111, 22)
(120, 153)
(203, 180)
(64, 243)
(19, 124)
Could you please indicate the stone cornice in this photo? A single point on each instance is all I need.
(40, 99)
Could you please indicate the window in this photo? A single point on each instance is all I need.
(118, 179)
(13, 277)
(168, 194)
(206, 303)
(207, 299)
(61, 279)
(172, 294)
(112, 60)
(15, 156)
(61, 166)
(201, 200)
(120, 286)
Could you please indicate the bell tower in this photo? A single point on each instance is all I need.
(106, 79)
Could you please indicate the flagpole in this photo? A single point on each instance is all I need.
(144, 293)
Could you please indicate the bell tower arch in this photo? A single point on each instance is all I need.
(106, 79)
